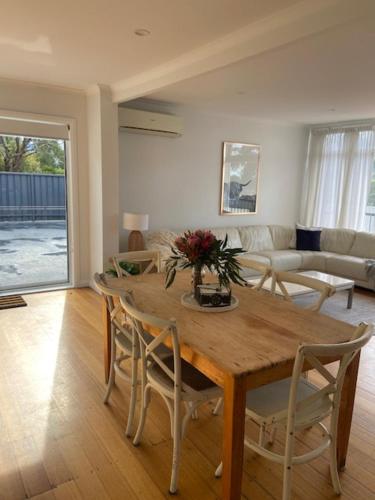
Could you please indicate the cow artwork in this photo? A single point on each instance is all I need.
(239, 178)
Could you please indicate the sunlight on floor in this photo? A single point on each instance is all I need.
(29, 347)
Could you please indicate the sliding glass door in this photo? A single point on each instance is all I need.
(34, 244)
(370, 210)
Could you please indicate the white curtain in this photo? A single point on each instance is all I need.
(337, 177)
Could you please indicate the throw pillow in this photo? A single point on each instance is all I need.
(308, 239)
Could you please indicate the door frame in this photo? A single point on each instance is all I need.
(72, 208)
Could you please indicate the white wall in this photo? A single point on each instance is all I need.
(178, 181)
(102, 117)
(28, 98)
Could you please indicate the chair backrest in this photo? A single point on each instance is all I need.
(281, 277)
(114, 306)
(263, 269)
(166, 333)
(152, 257)
(345, 352)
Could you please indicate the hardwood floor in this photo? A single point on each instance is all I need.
(58, 440)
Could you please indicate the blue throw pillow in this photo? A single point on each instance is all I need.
(308, 239)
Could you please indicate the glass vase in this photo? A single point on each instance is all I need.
(197, 277)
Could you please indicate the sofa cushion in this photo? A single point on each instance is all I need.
(255, 238)
(283, 237)
(337, 240)
(363, 246)
(347, 266)
(234, 240)
(247, 272)
(314, 261)
(160, 241)
(163, 237)
(283, 260)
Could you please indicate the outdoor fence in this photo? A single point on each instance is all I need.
(31, 197)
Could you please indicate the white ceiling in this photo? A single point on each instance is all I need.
(289, 60)
(79, 43)
(325, 77)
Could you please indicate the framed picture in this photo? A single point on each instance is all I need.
(239, 181)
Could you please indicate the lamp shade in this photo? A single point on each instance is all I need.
(135, 222)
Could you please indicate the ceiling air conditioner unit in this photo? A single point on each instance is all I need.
(144, 122)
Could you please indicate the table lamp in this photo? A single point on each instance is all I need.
(135, 223)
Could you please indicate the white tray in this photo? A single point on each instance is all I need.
(188, 300)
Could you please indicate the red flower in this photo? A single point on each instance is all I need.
(196, 245)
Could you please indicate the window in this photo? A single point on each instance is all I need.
(370, 210)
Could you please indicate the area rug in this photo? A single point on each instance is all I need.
(10, 301)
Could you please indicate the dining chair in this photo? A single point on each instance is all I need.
(123, 340)
(295, 404)
(264, 270)
(169, 375)
(151, 257)
(280, 278)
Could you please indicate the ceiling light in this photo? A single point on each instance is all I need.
(142, 32)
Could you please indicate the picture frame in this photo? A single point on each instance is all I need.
(239, 178)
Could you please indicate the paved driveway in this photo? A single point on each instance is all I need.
(32, 253)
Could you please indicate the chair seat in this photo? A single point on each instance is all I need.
(269, 403)
(190, 376)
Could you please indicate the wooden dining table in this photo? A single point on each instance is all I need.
(239, 350)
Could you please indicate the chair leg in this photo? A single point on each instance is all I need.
(112, 372)
(170, 411)
(194, 413)
(191, 410)
(133, 396)
(272, 435)
(142, 420)
(262, 435)
(218, 407)
(287, 482)
(177, 435)
(219, 470)
(333, 457)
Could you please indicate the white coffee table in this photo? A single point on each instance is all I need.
(295, 290)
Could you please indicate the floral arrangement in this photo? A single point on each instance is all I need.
(200, 249)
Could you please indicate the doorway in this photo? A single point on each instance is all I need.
(34, 242)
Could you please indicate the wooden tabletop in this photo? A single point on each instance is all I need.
(261, 334)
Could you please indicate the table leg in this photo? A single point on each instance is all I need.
(350, 297)
(234, 431)
(346, 411)
(106, 338)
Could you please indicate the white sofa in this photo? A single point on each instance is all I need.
(344, 252)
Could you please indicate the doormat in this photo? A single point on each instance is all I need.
(9, 301)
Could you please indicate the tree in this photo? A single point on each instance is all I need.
(13, 151)
(25, 154)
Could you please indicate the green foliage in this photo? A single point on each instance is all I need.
(129, 267)
(26, 154)
(220, 260)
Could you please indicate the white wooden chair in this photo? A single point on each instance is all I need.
(122, 339)
(143, 256)
(263, 270)
(173, 378)
(280, 278)
(296, 404)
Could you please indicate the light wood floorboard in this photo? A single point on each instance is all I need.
(58, 440)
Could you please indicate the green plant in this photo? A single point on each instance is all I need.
(129, 267)
(200, 249)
